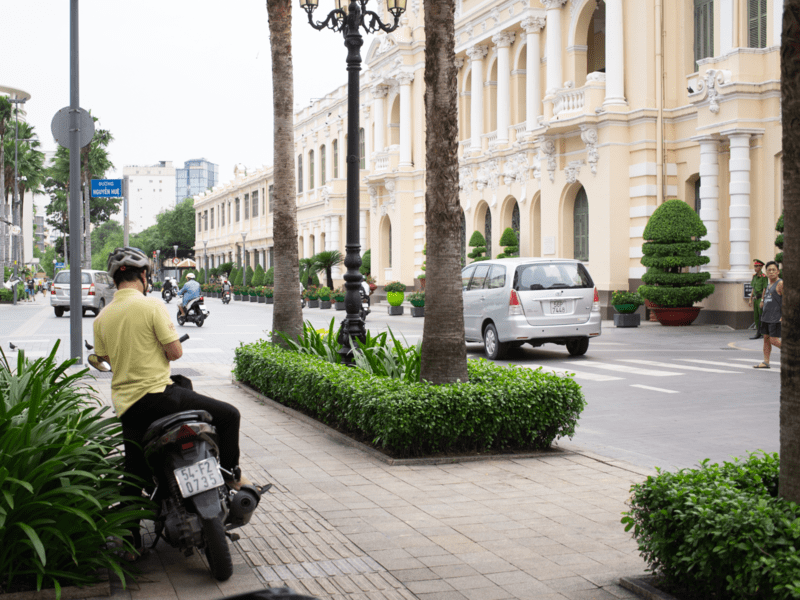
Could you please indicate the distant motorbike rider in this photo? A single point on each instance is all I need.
(189, 291)
(137, 337)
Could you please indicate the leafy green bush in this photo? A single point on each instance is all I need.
(719, 529)
(672, 242)
(478, 242)
(779, 240)
(324, 293)
(268, 292)
(225, 268)
(59, 478)
(498, 408)
(258, 276)
(619, 298)
(239, 277)
(366, 263)
(510, 244)
(395, 286)
(417, 298)
(311, 293)
(269, 276)
(339, 294)
(250, 274)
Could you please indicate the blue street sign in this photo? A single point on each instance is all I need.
(59, 265)
(106, 188)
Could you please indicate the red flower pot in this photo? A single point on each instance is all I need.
(677, 316)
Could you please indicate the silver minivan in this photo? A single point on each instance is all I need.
(97, 290)
(513, 301)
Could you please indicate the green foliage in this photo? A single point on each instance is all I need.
(324, 293)
(417, 298)
(669, 247)
(239, 277)
(59, 477)
(311, 293)
(477, 239)
(325, 261)
(258, 276)
(8, 295)
(779, 240)
(510, 244)
(478, 243)
(366, 262)
(339, 294)
(720, 531)
(619, 298)
(269, 276)
(201, 276)
(268, 292)
(395, 286)
(499, 407)
(250, 273)
(225, 268)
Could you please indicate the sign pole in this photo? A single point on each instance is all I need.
(75, 230)
(125, 196)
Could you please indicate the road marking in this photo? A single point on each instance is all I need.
(747, 360)
(627, 369)
(654, 389)
(653, 363)
(711, 362)
(578, 374)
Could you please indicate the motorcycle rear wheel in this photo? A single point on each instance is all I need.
(217, 551)
(199, 322)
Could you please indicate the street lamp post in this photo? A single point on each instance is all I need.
(158, 264)
(348, 17)
(244, 261)
(205, 261)
(175, 262)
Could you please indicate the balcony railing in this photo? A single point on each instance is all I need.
(568, 101)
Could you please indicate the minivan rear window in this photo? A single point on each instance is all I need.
(63, 277)
(552, 276)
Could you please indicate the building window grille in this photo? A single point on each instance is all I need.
(255, 203)
(212, 218)
(311, 170)
(581, 226)
(205, 218)
(199, 222)
(757, 23)
(300, 174)
(246, 206)
(515, 221)
(322, 165)
(237, 210)
(703, 30)
(335, 145)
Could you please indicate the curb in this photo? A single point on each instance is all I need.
(642, 588)
(348, 441)
(73, 592)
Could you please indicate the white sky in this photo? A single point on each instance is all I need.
(171, 79)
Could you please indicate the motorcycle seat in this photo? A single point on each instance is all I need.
(160, 426)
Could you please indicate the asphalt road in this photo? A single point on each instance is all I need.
(656, 396)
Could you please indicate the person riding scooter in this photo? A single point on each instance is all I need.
(189, 291)
(135, 335)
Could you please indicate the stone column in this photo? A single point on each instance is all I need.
(503, 42)
(739, 190)
(533, 85)
(327, 223)
(362, 230)
(615, 54)
(406, 125)
(306, 243)
(317, 238)
(476, 55)
(709, 201)
(555, 75)
(379, 94)
(335, 272)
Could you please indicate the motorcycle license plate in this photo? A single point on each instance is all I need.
(199, 477)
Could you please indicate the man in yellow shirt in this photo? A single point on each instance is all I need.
(136, 336)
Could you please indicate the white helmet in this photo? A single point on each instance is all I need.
(190, 276)
(127, 257)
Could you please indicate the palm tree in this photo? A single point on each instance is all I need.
(444, 351)
(94, 164)
(5, 116)
(287, 316)
(789, 483)
(307, 270)
(326, 260)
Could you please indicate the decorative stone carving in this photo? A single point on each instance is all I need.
(533, 24)
(708, 86)
(465, 185)
(548, 151)
(390, 187)
(589, 137)
(459, 7)
(521, 167)
(326, 194)
(388, 42)
(553, 4)
(366, 108)
(379, 91)
(470, 31)
(573, 170)
(537, 170)
(383, 210)
(574, 7)
(504, 39)
(495, 15)
(494, 180)
(509, 172)
(404, 77)
(459, 62)
(373, 197)
(477, 52)
(595, 76)
(482, 178)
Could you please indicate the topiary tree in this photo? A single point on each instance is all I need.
(672, 242)
(779, 241)
(269, 276)
(510, 244)
(477, 242)
(201, 276)
(258, 276)
(366, 263)
(225, 268)
(250, 274)
(239, 277)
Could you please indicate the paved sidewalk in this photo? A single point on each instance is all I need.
(341, 524)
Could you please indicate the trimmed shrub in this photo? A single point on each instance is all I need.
(510, 244)
(239, 277)
(478, 242)
(366, 262)
(225, 268)
(250, 274)
(499, 407)
(779, 240)
(324, 293)
(719, 531)
(672, 242)
(619, 298)
(269, 276)
(258, 276)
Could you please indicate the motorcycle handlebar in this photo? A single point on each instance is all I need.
(183, 338)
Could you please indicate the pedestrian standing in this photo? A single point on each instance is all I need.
(771, 313)
(758, 284)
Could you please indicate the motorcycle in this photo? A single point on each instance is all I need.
(226, 297)
(195, 507)
(196, 313)
(167, 295)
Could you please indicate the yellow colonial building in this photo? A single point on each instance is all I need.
(577, 119)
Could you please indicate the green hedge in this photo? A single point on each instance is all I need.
(498, 408)
(720, 531)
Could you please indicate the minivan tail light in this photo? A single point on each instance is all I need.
(514, 307)
(596, 305)
(91, 290)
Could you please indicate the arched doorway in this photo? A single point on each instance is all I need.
(386, 248)
(536, 225)
(580, 220)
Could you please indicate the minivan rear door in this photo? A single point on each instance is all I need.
(555, 293)
(473, 302)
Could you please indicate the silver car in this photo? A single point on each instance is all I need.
(97, 290)
(513, 301)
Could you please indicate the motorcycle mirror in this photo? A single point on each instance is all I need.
(98, 363)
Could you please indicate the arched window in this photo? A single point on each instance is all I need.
(335, 159)
(580, 219)
(322, 165)
(362, 149)
(300, 174)
(390, 244)
(310, 169)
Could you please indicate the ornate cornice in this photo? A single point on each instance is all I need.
(477, 52)
(533, 24)
(553, 4)
(504, 39)
(404, 77)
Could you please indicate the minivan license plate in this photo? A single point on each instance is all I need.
(199, 477)
(557, 306)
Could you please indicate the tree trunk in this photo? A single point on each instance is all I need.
(789, 486)
(329, 277)
(3, 213)
(287, 316)
(444, 351)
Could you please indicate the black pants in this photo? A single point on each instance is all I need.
(174, 399)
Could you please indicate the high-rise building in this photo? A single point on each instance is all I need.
(196, 176)
(151, 191)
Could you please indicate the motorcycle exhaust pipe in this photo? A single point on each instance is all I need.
(243, 505)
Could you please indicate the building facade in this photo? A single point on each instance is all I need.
(577, 119)
(196, 176)
(151, 189)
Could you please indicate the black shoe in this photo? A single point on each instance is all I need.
(756, 337)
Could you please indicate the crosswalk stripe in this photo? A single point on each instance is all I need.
(711, 362)
(578, 375)
(627, 369)
(654, 389)
(653, 363)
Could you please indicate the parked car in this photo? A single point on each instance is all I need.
(97, 290)
(513, 301)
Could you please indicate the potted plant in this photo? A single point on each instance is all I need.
(312, 296)
(417, 300)
(395, 294)
(269, 295)
(253, 294)
(260, 294)
(237, 292)
(626, 303)
(338, 298)
(324, 296)
(672, 243)
(371, 283)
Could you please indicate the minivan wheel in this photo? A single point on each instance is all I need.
(492, 345)
(578, 347)
(59, 311)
